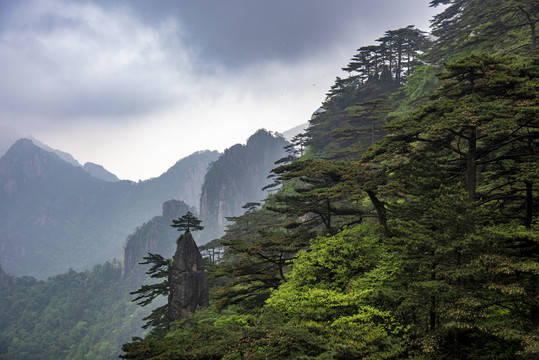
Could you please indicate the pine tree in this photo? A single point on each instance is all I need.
(187, 223)
(158, 320)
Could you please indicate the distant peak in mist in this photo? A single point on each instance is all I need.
(98, 171)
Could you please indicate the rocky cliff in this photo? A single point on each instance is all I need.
(237, 178)
(155, 236)
(187, 280)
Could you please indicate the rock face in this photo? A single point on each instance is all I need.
(237, 178)
(152, 237)
(187, 280)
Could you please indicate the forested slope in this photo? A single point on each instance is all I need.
(76, 315)
(404, 223)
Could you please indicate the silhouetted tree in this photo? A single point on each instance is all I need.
(187, 222)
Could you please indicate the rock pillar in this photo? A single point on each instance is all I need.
(187, 280)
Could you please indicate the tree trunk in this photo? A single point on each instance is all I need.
(379, 208)
(533, 35)
(534, 38)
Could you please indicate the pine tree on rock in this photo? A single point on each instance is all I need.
(187, 223)
(184, 280)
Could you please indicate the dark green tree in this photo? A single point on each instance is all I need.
(504, 26)
(483, 127)
(260, 247)
(157, 320)
(187, 223)
(456, 183)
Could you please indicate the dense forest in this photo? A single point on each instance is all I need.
(76, 315)
(402, 224)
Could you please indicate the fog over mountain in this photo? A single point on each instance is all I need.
(113, 81)
(55, 215)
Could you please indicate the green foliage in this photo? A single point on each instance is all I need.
(488, 25)
(451, 269)
(259, 248)
(76, 315)
(157, 320)
(228, 335)
(332, 291)
(187, 223)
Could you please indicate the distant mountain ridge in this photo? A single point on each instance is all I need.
(236, 177)
(9, 136)
(61, 154)
(99, 172)
(55, 216)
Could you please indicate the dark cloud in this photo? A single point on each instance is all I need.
(238, 32)
(87, 59)
(61, 60)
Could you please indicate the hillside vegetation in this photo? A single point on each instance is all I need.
(403, 223)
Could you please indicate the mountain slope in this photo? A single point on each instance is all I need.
(237, 178)
(55, 216)
(99, 172)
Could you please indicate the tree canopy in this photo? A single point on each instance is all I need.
(403, 223)
(187, 223)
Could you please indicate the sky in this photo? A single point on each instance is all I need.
(136, 85)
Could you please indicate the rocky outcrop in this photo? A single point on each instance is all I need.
(237, 178)
(188, 282)
(154, 236)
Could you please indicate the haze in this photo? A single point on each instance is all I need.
(137, 85)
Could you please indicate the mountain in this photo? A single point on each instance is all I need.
(290, 133)
(182, 181)
(99, 172)
(55, 216)
(8, 136)
(61, 154)
(237, 178)
(155, 236)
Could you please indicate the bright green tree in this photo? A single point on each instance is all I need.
(339, 288)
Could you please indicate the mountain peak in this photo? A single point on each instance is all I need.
(23, 162)
(61, 154)
(32, 160)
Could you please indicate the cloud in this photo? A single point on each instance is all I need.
(239, 32)
(113, 80)
(63, 60)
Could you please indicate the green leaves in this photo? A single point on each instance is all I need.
(335, 289)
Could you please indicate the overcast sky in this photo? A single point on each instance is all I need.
(135, 85)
